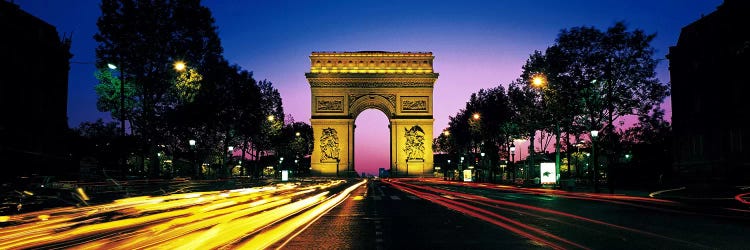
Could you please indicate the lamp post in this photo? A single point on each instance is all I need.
(460, 168)
(228, 170)
(445, 177)
(122, 97)
(122, 110)
(192, 142)
(512, 159)
(481, 165)
(594, 134)
(540, 81)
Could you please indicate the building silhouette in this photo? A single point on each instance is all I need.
(710, 103)
(34, 64)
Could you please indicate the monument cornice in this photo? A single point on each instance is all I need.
(347, 76)
(371, 84)
(355, 80)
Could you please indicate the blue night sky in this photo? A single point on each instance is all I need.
(477, 44)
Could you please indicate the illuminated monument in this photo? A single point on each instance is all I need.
(400, 84)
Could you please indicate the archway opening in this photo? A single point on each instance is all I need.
(372, 141)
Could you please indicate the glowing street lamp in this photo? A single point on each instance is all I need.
(594, 134)
(270, 118)
(539, 80)
(180, 66)
(475, 116)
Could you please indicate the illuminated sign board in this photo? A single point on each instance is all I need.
(467, 175)
(548, 173)
(284, 175)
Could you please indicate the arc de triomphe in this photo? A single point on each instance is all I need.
(400, 84)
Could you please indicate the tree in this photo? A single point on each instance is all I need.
(144, 39)
(229, 110)
(481, 127)
(271, 122)
(295, 143)
(108, 92)
(98, 140)
(596, 77)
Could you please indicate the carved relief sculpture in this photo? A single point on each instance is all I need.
(414, 148)
(329, 145)
(330, 103)
(414, 104)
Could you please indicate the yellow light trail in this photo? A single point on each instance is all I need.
(277, 233)
(199, 220)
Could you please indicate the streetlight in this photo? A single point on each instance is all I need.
(230, 150)
(122, 109)
(192, 143)
(445, 177)
(539, 80)
(179, 66)
(460, 168)
(481, 166)
(594, 134)
(475, 116)
(122, 97)
(513, 159)
(270, 118)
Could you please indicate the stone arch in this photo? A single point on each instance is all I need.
(398, 86)
(372, 101)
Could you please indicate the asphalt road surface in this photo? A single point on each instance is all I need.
(379, 214)
(433, 214)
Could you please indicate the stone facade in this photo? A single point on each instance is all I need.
(709, 105)
(400, 84)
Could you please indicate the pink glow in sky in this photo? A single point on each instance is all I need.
(476, 44)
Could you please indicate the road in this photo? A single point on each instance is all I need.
(434, 214)
(382, 214)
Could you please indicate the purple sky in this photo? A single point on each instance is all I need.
(477, 44)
